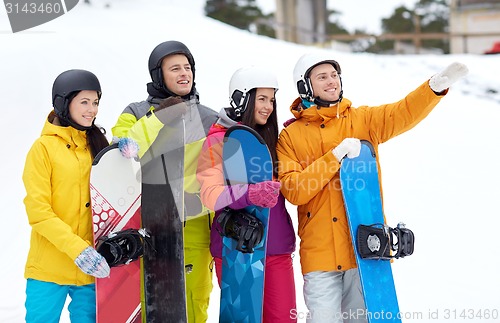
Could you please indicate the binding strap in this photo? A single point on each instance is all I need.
(123, 247)
(377, 241)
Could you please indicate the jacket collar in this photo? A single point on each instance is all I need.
(314, 112)
(160, 94)
(222, 124)
(68, 134)
(224, 119)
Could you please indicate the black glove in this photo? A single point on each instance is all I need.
(170, 109)
(243, 227)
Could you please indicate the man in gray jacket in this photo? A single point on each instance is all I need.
(170, 118)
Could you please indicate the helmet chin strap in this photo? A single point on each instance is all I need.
(65, 118)
(76, 125)
(160, 85)
(324, 103)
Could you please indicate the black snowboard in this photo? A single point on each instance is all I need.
(163, 217)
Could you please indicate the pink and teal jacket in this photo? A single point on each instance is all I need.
(216, 195)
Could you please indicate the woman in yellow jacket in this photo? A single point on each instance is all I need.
(61, 260)
(310, 150)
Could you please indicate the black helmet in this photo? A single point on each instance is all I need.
(164, 49)
(66, 84)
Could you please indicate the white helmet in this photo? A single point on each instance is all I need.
(244, 80)
(301, 74)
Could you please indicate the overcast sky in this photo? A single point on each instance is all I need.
(352, 17)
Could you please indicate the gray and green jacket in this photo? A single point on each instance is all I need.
(139, 122)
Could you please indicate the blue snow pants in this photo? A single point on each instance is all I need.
(45, 302)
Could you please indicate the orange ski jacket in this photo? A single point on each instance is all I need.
(309, 172)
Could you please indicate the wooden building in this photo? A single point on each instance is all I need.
(474, 25)
(301, 21)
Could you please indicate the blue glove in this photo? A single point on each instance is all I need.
(127, 146)
(92, 263)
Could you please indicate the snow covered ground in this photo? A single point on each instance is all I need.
(441, 178)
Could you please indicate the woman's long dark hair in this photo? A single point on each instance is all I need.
(96, 139)
(268, 132)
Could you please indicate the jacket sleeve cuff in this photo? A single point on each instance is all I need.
(235, 197)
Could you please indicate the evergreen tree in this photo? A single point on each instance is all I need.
(265, 28)
(334, 27)
(433, 17)
(241, 14)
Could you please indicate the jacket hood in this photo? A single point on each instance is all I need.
(222, 124)
(314, 112)
(68, 134)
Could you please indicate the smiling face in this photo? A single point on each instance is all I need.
(84, 107)
(264, 105)
(177, 74)
(325, 82)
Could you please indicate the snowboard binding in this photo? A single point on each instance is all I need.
(243, 227)
(377, 241)
(123, 247)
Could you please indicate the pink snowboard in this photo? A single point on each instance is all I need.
(115, 187)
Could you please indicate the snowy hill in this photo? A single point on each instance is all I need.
(441, 178)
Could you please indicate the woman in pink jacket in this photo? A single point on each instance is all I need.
(252, 97)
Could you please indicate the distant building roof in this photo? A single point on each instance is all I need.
(476, 3)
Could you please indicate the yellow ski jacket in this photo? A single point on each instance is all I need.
(56, 177)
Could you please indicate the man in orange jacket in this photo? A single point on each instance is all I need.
(326, 129)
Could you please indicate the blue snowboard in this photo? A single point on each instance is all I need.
(246, 160)
(362, 199)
